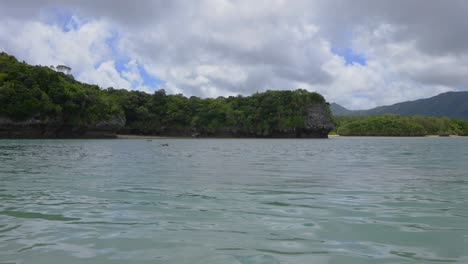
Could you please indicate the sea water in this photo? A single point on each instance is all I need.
(339, 200)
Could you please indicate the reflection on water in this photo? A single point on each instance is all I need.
(358, 200)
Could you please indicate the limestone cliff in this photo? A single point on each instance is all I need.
(35, 128)
(318, 120)
(317, 123)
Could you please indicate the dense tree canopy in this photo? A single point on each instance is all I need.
(261, 114)
(39, 92)
(45, 94)
(449, 104)
(396, 125)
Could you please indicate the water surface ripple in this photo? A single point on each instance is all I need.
(342, 200)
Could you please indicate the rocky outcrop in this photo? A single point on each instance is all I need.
(35, 128)
(113, 124)
(318, 121)
(31, 128)
(317, 124)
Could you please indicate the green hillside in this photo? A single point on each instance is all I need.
(270, 113)
(54, 99)
(44, 94)
(396, 125)
(450, 104)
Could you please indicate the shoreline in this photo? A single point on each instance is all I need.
(151, 137)
(427, 136)
(127, 136)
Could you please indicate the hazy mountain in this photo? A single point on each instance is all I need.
(340, 110)
(451, 104)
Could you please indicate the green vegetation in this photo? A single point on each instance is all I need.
(396, 125)
(41, 93)
(51, 95)
(261, 114)
(449, 104)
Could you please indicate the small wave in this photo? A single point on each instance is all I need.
(292, 252)
(50, 217)
(34, 246)
(414, 256)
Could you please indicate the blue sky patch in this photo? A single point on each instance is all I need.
(67, 21)
(148, 79)
(350, 56)
(122, 59)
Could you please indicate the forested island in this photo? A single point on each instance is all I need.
(398, 125)
(448, 104)
(443, 114)
(47, 102)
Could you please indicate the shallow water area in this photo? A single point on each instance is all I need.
(339, 200)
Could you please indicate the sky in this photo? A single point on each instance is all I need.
(359, 53)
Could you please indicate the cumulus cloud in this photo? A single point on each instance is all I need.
(410, 49)
(44, 44)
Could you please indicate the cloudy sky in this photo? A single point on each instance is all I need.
(358, 53)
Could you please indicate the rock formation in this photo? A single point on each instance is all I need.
(35, 128)
(318, 121)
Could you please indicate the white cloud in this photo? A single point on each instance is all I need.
(39, 43)
(105, 75)
(212, 48)
(84, 47)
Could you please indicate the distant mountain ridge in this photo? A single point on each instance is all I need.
(450, 104)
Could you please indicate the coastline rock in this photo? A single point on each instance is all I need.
(28, 129)
(36, 128)
(318, 121)
(317, 124)
(113, 124)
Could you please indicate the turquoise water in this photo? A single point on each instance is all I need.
(342, 200)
